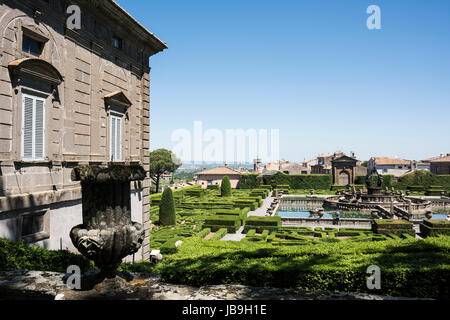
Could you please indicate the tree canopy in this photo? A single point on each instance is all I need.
(162, 161)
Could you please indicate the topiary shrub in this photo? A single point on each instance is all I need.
(167, 215)
(225, 187)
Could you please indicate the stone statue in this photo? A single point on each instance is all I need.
(371, 189)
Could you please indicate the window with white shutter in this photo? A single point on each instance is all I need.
(33, 128)
(116, 138)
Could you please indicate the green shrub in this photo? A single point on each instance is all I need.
(21, 256)
(204, 232)
(169, 246)
(213, 187)
(225, 187)
(167, 216)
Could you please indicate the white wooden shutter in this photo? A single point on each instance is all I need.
(39, 129)
(33, 128)
(27, 127)
(116, 138)
(113, 138)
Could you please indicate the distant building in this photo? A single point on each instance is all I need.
(257, 165)
(287, 167)
(344, 170)
(441, 164)
(392, 166)
(322, 164)
(215, 176)
(166, 176)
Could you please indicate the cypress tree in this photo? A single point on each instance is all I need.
(225, 188)
(167, 215)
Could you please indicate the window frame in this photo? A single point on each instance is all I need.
(37, 236)
(33, 126)
(112, 136)
(40, 45)
(119, 42)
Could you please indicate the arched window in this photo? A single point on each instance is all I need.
(36, 82)
(117, 105)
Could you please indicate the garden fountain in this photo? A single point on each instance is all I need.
(107, 234)
(387, 203)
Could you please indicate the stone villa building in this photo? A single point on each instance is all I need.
(440, 164)
(69, 97)
(215, 175)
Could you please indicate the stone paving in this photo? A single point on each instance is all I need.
(262, 211)
(238, 236)
(40, 285)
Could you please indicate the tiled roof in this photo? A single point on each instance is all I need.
(441, 159)
(393, 161)
(219, 170)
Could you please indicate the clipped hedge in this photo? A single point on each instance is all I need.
(213, 187)
(434, 228)
(262, 223)
(391, 226)
(246, 203)
(219, 234)
(303, 181)
(197, 193)
(241, 213)
(217, 222)
(410, 267)
(248, 181)
(204, 232)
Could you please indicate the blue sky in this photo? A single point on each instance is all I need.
(311, 69)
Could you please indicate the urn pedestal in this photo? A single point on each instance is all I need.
(107, 234)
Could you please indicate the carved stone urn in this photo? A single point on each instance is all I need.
(107, 234)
